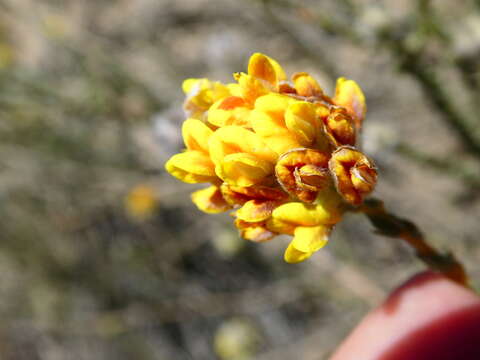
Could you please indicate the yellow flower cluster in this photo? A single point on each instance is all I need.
(280, 154)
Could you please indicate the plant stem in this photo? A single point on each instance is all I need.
(393, 226)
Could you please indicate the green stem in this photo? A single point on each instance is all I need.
(393, 226)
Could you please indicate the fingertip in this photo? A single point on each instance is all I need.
(420, 306)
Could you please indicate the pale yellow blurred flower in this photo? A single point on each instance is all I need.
(141, 202)
(237, 339)
(6, 55)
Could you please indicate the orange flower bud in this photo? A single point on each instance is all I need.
(311, 177)
(303, 173)
(210, 200)
(350, 96)
(238, 195)
(354, 173)
(256, 231)
(256, 210)
(265, 68)
(306, 85)
(341, 126)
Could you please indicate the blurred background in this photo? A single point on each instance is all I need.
(103, 255)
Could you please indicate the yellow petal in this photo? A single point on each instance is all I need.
(309, 239)
(238, 195)
(294, 256)
(219, 90)
(265, 125)
(196, 134)
(189, 84)
(330, 199)
(322, 110)
(280, 227)
(349, 95)
(229, 111)
(254, 232)
(191, 167)
(265, 68)
(251, 87)
(300, 119)
(282, 144)
(210, 200)
(242, 169)
(256, 210)
(275, 105)
(307, 215)
(306, 85)
(235, 89)
(201, 94)
(235, 139)
(273, 132)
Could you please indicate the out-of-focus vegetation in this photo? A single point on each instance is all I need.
(102, 254)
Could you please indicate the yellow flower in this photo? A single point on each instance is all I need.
(7, 55)
(307, 240)
(194, 165)
(141, 202)
(237, 339)
(349, 96)
(280, 154)
(200, 96)
(210, 200)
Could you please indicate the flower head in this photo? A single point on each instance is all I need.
(280, 155)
